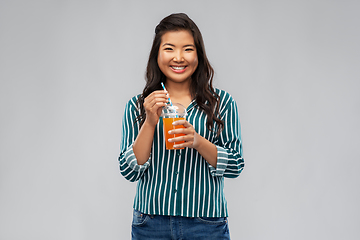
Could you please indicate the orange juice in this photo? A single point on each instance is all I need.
(167, 122)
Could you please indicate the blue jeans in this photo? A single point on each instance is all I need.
(155, 227)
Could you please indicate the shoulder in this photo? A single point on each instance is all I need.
(226, 100)
(132, 104)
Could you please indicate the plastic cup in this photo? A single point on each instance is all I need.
(170, 114)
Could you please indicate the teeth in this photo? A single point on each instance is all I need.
(178, 68)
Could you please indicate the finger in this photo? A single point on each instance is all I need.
(155, 107)
(155, 101)
(185, 123)
(184, 145)
(186, 138)
(176, 139)
(156, 98)
(179, 131)
(190, 130)
(156, 93)
(151, 102)
(159, 93)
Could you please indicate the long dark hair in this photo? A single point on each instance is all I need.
(201, 81)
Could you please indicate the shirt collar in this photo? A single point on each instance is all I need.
(192, 104)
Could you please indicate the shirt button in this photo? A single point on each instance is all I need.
(176, 173)
(175, 191)
(178, 153)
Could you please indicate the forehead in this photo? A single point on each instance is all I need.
(177, 37)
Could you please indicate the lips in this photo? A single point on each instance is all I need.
(178, 69)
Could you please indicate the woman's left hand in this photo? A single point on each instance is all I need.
(191, 137)
(194, 140)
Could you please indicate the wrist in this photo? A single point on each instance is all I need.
(149, 124)
(199, 142)
(206, 149)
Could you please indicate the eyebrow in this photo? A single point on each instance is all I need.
(172, 45)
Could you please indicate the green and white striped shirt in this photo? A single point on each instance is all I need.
(181, 182)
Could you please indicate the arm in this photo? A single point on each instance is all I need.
(193, 140)
(153, 105)
(225, 154)
(130, 129)
(136, 143)
(143, 143)
(229, 145)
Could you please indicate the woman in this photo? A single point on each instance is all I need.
(180, 193)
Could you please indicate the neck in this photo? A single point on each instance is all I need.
(179, 92)
(178, 89)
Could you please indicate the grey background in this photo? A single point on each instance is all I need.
(67, 69)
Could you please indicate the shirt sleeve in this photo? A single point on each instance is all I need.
(127, 160)
(230, 162)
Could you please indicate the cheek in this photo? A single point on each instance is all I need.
(195, 62)
(160, 62)
(159, 59)
(162, 59)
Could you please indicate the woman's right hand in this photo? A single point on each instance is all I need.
(153, 105)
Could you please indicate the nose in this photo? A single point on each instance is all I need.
(178, 56)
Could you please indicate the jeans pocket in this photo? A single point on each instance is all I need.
(212, 220)
(139, 218)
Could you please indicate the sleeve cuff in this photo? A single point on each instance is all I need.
(222, 160)
(131, 161)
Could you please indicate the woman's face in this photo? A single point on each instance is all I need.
(177, 57)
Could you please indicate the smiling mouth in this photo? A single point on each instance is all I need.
(178, 68)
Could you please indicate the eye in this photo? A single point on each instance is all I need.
(168, 49)
(189, 49)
